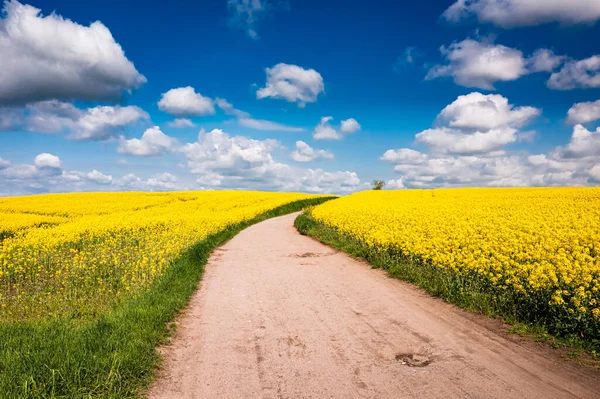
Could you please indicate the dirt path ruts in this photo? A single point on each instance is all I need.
(279, 315)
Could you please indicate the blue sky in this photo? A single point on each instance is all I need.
(436, 94)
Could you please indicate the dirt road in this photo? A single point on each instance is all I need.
(279, 315)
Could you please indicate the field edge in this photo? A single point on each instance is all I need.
(116, 354)
(444, 285)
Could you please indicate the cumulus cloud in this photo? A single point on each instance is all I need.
(481, 64)
(477, 124)
(184, 101)
(98, 177)
(477, 64)
(305, 153)
(584, 112)
(394, 184)
(484, 170)
(583, 74)
(293, 84)
(46, 160)
(163, 181)
(216, 150)
(324, 130)
(514, 13)
(349, 126)
(404, 155)
(451, 141)
(584, 143)
(485, 112)
(55, 58)
(103, 122)
(544, 60)
(53, 116)
(469, 157)
(181, 123)
(160, 182)
(224, 161)
(153, 143)
(46, 174)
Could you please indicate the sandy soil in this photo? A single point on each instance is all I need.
(279, 315)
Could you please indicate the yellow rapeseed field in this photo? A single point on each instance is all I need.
(78, 253)
(540, 244)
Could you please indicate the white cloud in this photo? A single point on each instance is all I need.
(181, 123)
(46, 160)
(584, 112)
(217, 150)
(467, 158)
(224, 161)
(481, 64)
(98, 177)
(451, 141)
(477, 124)
(513, 13)
(153, 143)
(583, 143)
(397, 184)
(245, 14)
(163, 181)
(103, 122)
(292, 83)
(477, 64)
(324, 130)
(184, 101)
(259, 124)
(305, 153)
(56, 58)
(485, 112)
(319, 181)
(482, 170)
(20, 172)
(229, 109)
(583, 74)
(47, 175)
(404, 155)
(53, 116)
(544, 60)
(349, 126)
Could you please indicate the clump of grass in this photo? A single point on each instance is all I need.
(114, 354)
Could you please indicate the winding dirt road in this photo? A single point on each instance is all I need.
(279, 315)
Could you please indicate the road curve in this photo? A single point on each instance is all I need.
(279, 315)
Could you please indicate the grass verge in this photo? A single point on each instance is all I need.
(114, 355)
(468, 292)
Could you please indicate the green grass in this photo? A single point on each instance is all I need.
(468, 292)
(114, 355)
